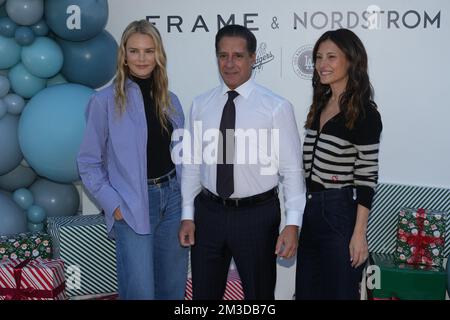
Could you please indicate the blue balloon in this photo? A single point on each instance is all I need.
(35, 227)
(14, 103)
(3, 108)
(51, 129)
(24, 83)
(36, 214)
(4, 86)
(56, 199)
(7, 27)
(24, 36)
(9, 52)
(44, 58)
(13, 218)
(25, 12)
(92, 62)
(23, 197)
(20, 177)
(40, 28)
(11, 155)
(76, 20)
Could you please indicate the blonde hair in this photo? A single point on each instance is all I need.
(159, 80)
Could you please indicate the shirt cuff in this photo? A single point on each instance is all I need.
(187, 213)
(294, 217)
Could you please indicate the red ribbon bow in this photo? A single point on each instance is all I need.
(19, 293)
(419, 241)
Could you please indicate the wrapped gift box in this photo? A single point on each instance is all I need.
(389, 199)
(233, 289)
(26, 246)
(406, 281)
(88, 254)
(29, 279)
(420, 237)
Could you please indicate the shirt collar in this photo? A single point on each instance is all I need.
(244, 89)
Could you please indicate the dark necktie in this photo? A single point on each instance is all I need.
(225, 179)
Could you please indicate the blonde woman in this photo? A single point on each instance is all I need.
(125, 163)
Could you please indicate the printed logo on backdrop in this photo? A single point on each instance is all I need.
(302, 62)
(263, 56)
(371, 18)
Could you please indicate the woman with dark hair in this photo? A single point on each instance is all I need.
(340, 158)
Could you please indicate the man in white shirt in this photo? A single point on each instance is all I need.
(243, 141)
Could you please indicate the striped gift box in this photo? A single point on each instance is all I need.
(389, 199)
(40, 279)
(233, 289)
(88, 254)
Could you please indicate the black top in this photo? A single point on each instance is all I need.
(337, 157)
(159, 161)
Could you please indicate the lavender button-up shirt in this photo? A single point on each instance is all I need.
(112, 160)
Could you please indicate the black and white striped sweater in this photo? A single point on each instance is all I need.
(338, 157)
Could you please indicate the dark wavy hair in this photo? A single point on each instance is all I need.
(358, 94)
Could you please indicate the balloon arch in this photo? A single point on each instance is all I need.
(53, 54)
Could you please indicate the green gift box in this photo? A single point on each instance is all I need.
(404, 281)
(89, 255)
(26, 246)
(420, 237)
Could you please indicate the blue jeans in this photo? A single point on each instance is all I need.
(324, 268)
(153, 266)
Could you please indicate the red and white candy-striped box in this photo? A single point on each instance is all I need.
(233, 290)
(32, 279)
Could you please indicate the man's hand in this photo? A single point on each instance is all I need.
(186, 233)
(287, 242)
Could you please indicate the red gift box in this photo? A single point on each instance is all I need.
(32, 279)
(233, 290)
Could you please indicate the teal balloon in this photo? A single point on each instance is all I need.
(76, 20)
(92, 62)
(35, 227)
(14, 103)
(11, 155)
(4, 86)
(24, 83)
(9, 52)
(43, 58)
(13, 218)
(7, 27)
(51, 129)
(36, 214)
(23, 197)
(58, 79)
(24, 36)
(56, 199)
(40, 28)
(25, 12)
(20, 177)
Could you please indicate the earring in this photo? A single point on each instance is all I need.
(125, 63)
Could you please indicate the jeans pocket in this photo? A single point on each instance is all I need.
(338, 218)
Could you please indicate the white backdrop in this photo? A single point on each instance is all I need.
(408, 47)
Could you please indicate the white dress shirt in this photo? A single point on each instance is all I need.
(267, 148)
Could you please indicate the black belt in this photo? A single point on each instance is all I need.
(163, 178)
(240, 202)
